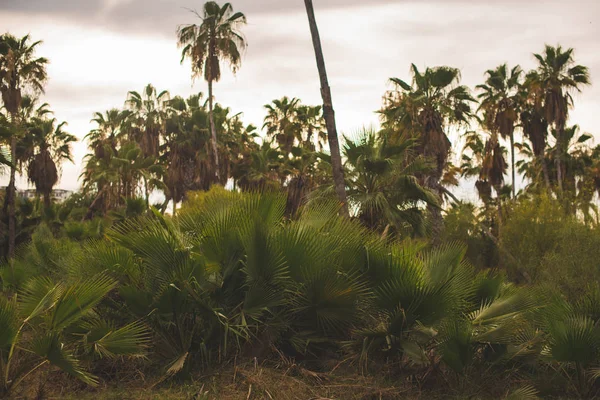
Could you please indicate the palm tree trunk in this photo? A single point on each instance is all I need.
(512, 162)
(213, 130)
(499, 205)
(328, 112)
(146, 192)
(99, 197)
(545, 172)
(11, 199)
(46, 200)
(557, 159)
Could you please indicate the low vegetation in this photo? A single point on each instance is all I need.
(258, 277)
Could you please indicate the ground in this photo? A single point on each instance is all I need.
(253, 380)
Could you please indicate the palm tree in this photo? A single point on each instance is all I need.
(382, 183)
(19, 70)
(262, 171)
(535, 126)
(313, 126)
(556, 77)
(109, 131)
(328, 113)
(104, 142)
(46, 146)
(424, 110)
(281, 122)
(486, 161)
(146, 118)
(500, 103)
(216, 38)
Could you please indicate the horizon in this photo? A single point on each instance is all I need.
(103, 49)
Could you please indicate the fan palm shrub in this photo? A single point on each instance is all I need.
(52, 323)
(232, 274)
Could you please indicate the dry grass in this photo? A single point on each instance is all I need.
(246, 381)
(271, 380)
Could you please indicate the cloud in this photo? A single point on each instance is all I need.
(158, 17)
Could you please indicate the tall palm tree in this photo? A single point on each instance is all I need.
(535, 128)
(328, 112)
(556, 77)
(217, 38)
(19, 69)
(500, 101)
(425, 110)
(47, 146)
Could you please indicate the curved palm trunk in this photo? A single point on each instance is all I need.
(512, 165)
(328, 112)
(213, 131)
(99, 198)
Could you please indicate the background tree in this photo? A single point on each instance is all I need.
(46, 147)
(217, 38)
(146, 118)
(500, 102)
(556, 77)
(20, 70)
(425, 110)
(383, 186)
(281, 122)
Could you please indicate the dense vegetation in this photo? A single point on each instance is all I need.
(258, 259)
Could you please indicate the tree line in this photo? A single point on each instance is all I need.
(395, 179)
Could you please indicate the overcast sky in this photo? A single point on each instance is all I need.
(100, 49)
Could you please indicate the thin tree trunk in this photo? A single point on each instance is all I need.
(437, 219)
(213, 130)
(12, 233)
(47, 203)
(328, 112)
(90, 212)
(174, 207)
(437, 225)
(146, 193)
(557, 159)
(545, 172)
(512, 162)
(499, 205)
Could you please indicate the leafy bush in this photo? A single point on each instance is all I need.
(53, 323)
(550, 247)
(232, 275)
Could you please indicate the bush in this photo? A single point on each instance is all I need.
(550, 247)
(232, 276)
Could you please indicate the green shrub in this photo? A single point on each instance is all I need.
(550, 247)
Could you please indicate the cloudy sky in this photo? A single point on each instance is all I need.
(100, 49)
